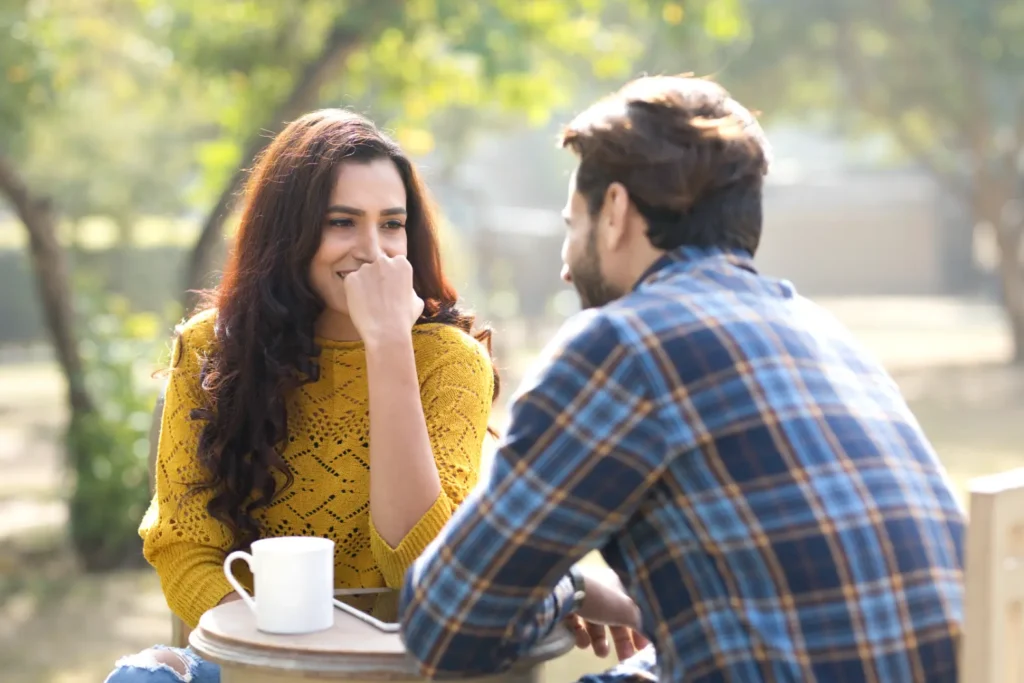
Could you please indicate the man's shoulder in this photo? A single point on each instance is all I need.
(688, 315)
(731, 327)
(646, 314)
(626, 329)
(589, 327)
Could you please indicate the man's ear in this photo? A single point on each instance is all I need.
(615, 217)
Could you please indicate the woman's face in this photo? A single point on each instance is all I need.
(365, 218)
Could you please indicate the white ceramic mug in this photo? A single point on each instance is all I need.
(293, 581)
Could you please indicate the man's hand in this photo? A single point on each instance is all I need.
(606, 601)
(606, 604)
(589, 634)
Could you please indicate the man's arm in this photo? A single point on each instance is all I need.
(584, 446)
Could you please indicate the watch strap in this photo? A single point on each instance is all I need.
(579, 586)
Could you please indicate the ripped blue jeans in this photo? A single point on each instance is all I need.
(143, 668)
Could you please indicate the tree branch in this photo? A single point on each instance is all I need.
(342, 41)
(51, 272)
(1015, 158)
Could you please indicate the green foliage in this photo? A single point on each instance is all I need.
(942, 78)
(108, 449)
(125, 108)
(415, 68)
(239, 59)
(24, 75)
(150, 103)
(115, 140)
(485, 63)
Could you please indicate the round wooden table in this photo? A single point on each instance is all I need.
(351, 650)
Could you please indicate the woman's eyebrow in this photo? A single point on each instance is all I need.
(352, 211)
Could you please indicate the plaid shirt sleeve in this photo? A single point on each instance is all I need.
(582, 449)
(640, 668)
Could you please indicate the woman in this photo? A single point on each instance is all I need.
(333, 307)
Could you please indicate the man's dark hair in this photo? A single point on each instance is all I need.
(692, 159)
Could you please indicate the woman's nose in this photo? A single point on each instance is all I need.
(368, 249)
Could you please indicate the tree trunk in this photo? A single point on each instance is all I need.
(51, 272)
(341, 42)
(1011, 280)
(119, 279)
(993, 199)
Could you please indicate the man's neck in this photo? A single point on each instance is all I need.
(642, 263)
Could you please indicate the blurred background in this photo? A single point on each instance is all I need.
(896, 199)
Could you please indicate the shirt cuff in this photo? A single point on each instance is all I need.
(394, 562)
(564, 599)
(640, 668)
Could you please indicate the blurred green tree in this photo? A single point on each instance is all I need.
(69, 101)
(129, 107)
(943, 79)
(425, 67)
(116, 140)
(946, 80)
(26, 89)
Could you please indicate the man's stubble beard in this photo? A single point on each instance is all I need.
(594, 291)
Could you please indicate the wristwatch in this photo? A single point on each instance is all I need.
(579, 586)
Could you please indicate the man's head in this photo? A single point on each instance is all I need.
(666, 161)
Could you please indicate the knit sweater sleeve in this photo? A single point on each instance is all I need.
(456, 389)
(182, 542)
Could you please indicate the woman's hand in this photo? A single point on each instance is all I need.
(381, 301)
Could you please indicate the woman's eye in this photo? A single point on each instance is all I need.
(394, 225)
(340, 222)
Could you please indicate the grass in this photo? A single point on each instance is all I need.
(57, 626)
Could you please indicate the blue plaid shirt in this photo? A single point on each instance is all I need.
(754, 477)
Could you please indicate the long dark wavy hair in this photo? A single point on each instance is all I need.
(266, 307)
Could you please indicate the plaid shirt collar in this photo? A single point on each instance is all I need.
(691, 256)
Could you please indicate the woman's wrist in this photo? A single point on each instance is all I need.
(388, 341)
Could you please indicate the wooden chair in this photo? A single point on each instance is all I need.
(992, 648)
(179, 631)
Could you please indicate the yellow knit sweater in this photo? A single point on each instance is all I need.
(328, 452)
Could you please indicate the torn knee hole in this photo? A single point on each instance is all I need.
(154, 660)
(172, 660)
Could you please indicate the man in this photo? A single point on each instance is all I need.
(753, 476)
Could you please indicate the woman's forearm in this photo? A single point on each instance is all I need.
(404, 483)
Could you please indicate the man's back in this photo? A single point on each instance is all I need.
(757, 480)
(802, 528)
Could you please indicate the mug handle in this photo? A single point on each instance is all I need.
(247, 558)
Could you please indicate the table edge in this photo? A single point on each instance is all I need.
(369, 666)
